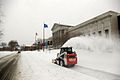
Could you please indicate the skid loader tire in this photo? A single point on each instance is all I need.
(61, 63)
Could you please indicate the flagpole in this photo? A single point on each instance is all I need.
(45, 26)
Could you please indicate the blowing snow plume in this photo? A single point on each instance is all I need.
(97, 53)
(93, 44)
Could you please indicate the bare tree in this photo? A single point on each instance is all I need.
(13, 44)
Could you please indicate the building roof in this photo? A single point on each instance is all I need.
(61, 25)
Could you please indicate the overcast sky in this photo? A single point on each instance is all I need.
(23, 18)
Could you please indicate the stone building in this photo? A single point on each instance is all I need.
(105, 25)
(59, 34)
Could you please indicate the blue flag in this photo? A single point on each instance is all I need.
(45, 26)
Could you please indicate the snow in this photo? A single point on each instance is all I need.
(97, 53)
(4, 53)
(34, 65)
(98, 59)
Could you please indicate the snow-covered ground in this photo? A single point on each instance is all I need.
(4, 53)
(38, 66)
(107, 62)
(34, 65)
(98, 59)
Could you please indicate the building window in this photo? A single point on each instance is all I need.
(106, 33)
(100, 33)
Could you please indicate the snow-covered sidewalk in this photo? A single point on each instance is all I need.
(38, 66)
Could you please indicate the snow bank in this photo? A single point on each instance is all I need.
(97, 53)
(4, 53)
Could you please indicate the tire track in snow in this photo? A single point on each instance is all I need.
(101, 75)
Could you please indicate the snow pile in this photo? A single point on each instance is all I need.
(4, 53)
(97, 53)
(93, 44)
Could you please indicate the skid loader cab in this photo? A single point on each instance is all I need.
(66, 49)
(67, 57)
